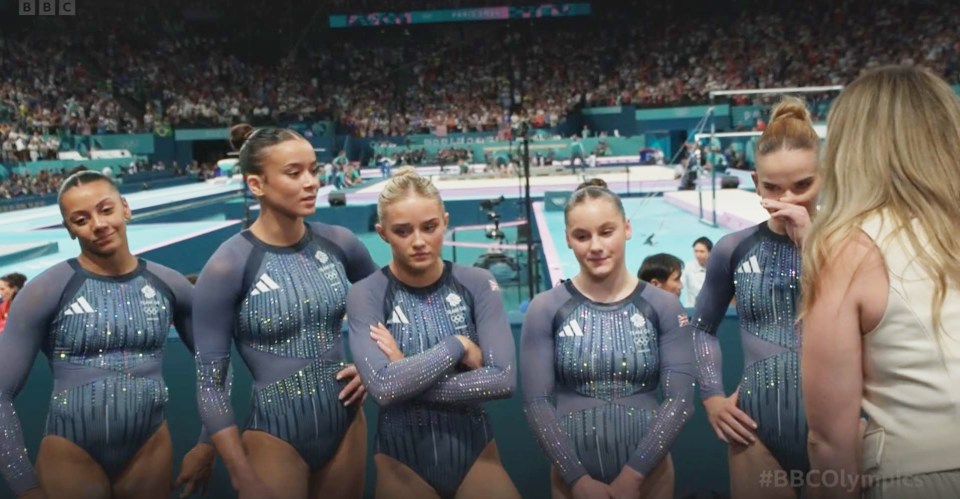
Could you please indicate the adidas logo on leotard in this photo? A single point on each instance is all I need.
(264, 285)
(571, 329)
(81, 306)
(751, 266)
(398, 317)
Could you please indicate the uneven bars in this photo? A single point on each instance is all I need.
(722, 135)
(820, 128)
(789, 90)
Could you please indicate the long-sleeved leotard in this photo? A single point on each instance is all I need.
(602, 364)
(431, 419)
(762, 270)
(104, 337)
(284, 307)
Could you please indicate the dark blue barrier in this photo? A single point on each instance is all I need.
(129, 185)
(147, 176)
(26, 202)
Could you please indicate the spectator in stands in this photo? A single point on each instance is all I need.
(341, 160)
(386, 164)
(576, 154)
(30, 185)
(6, 147)
(192, 80)
(10, 284)
(351, 176)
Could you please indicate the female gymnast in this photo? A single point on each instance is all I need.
(432, 342)
(102, 320)
(763, 420)
(278, 290)
(600, 345)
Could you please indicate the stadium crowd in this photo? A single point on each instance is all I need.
(142, 72)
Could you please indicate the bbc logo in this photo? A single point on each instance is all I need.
(48, 7)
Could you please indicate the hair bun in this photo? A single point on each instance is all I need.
(239, 135)
(594, 182)
(790, 108)
(406, 171)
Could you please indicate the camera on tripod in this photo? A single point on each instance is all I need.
(503, 267)
(489, 206)
(495, 233)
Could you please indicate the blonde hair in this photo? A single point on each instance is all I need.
(404, 182)
(790, 128)
(893, 143)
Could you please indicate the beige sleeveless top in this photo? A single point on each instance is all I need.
(911, 385)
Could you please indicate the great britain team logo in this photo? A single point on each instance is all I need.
(327, 268)
(456, 311)
(321, 257)
(640, 333)
(150, 305)
(638, 321)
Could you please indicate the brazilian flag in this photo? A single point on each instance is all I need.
(162, 129)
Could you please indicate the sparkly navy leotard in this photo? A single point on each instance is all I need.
(762, 269)
(104, 337)
(430, 418)
(602, 363)
(284, 308)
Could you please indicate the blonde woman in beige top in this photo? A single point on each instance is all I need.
(881, 276)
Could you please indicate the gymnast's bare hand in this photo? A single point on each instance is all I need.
(730, 423)
(386, 342)
(354, 391)
(588, 488)
(196, 469)
(627, 484)
(795, 217)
